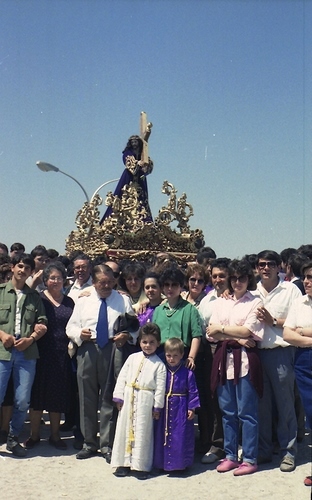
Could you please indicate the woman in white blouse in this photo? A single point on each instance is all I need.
(298, 332)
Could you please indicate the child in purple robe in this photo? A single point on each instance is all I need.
(174, 432)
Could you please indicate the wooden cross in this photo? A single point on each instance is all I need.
(145, 132)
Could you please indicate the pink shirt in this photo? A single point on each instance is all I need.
(241, 312)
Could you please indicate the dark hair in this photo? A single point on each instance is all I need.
(129, 145)
(52, 253)
(101, 268)
(58, 266)
(25, 258)
(242, 268)
(38, 251)
(17, 246)
(306, 250)
(286, 253)
(4, 247)
(252, 259)
(5, 268)
(306, 265)
(99, 259)
(173, 274)
(269, 255)
(150, 329)
(81, 256)
(220, 263)
(152, 275)
(296, 261)
(199, 269)
(129, 268)
(205, 254)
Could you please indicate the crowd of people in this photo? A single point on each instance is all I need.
(152, 344)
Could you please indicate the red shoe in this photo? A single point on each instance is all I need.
(245, 468)
(226, 465)
(308, 481)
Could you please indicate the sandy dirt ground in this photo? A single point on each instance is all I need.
(47, 473)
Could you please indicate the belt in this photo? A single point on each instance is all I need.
(94, 341)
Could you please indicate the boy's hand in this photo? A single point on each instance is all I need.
(156, 415)
(119, 406)
(190, 414)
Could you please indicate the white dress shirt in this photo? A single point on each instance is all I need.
(86, 312)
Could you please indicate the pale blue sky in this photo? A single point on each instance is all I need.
(227, 85)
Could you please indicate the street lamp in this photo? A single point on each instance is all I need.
(100, 187)
(47, 167)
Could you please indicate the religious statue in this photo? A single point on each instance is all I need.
(137, 166)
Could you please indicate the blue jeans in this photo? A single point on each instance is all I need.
(23, 376)
(239, 404)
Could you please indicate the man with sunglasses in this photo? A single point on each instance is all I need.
(277, 358)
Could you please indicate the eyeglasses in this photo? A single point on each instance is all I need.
(194, 280)
(270, 264)
(172, 285)
(55, 278)
(308, 277)
(240, 279)
(115, 274)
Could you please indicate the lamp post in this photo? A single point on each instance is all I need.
(47, 167)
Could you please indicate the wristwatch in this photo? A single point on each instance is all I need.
(274, 322)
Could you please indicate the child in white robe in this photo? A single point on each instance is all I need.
(139, 396)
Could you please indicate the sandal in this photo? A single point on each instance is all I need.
(31, 443)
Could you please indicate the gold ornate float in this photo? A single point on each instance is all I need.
(128, 231)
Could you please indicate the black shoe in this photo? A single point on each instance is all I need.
(14, 446)
(59, 444)
(141, 474)
(31, 443)
(85, 453)
(122, 471)
(108, 456)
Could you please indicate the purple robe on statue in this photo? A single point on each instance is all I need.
(126, 178)
(174, 440)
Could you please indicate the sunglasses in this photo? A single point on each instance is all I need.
(115, 274)
(194, 280)
(240, 279)
(172, 285)
(270, 264)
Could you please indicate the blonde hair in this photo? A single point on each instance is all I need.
(174, 344)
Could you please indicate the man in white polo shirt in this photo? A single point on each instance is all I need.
(277, 358)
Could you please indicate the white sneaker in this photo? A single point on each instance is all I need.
(209, 458)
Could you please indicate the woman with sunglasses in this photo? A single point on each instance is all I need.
(298, 332)
(196, 278)
(236, 370)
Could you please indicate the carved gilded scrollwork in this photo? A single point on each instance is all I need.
(126, 234)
